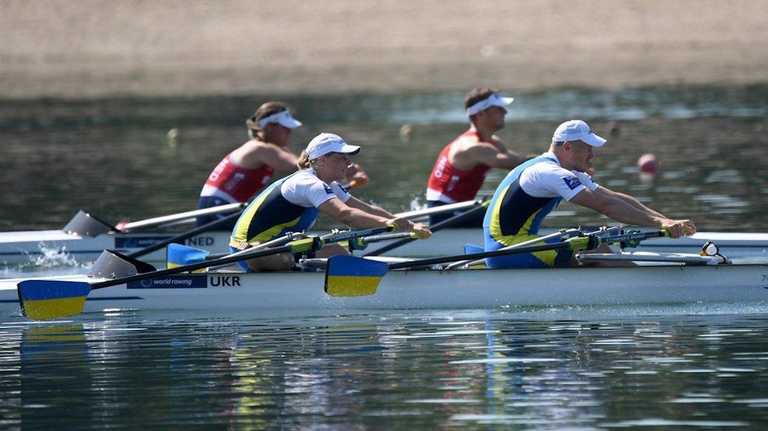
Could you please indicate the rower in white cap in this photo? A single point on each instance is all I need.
(245, 171)
(536, 187)
(292, 204)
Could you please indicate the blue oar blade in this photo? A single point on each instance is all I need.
(180, 255)
(473, 248)
(353, 276)
(51, 299)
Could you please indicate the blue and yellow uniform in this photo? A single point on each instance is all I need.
(287, 205)
(514, 215)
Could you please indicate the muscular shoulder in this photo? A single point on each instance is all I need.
(471, 152)
(254, 153)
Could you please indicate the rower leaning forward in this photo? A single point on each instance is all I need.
(293, 203)
(536, 187)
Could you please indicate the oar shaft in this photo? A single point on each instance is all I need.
(181, 216)
(458, 206)
(563, 234)
(193, 266)
(588, 241)
(472, 256)
(311, 243)
(386, 237)
(181, 237)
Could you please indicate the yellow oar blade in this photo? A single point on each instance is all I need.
(50, 299)
(353, 276)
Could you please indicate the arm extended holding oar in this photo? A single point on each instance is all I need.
(624, 209)
(359, 214)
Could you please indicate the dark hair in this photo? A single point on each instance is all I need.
(477, 94)
(263, 111)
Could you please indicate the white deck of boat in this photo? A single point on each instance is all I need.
(38, 236)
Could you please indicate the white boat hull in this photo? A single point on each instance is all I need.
(31, 247)
(35, 247)
(469, 289)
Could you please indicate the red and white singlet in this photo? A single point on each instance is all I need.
(234, 183)
(448, 184)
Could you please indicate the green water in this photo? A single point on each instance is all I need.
(651, 368)
(114, 157)
(522, 370)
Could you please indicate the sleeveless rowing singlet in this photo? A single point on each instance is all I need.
(448, 184)
(234, 183)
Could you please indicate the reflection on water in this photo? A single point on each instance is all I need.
(114, 157)
(468, 369)
(677, 367)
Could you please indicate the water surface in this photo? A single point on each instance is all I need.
(514, 369)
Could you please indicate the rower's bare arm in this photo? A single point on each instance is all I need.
(495, 157)
(278, 158)
(401, 224)
(631, 200)
(372, 209)
(350, 215)
(617, 208)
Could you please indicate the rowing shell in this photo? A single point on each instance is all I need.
(427, 289)
(32, 246)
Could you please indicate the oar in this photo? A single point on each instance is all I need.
(562, 234)
(458, 206)
(475, 208)
(113, 262)
(52, 299)
(356, 276)
(155, 221)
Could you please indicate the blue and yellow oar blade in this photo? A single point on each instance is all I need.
(51, 299)
(353, 276)
(180, 255)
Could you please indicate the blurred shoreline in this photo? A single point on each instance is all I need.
(95, 48)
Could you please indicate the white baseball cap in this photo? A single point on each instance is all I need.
(283, 118)
(493, 100)
(577, 130)
(326, 143)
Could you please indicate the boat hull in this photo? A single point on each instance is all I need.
(404, 290)
(30, 247)
(38, 247)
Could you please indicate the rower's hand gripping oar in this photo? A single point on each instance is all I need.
(356, 276)
(52, 299)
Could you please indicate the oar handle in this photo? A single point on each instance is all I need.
(181, 237)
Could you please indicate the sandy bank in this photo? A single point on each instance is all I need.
(91, 48)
